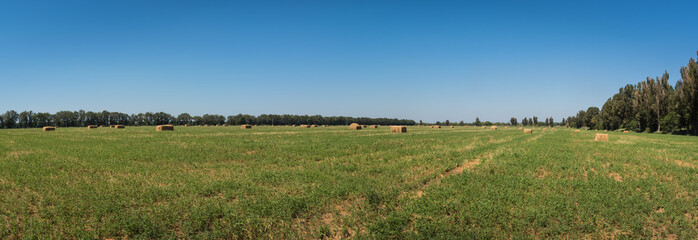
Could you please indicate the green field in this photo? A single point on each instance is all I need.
(286, 182)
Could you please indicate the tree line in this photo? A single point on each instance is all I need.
(652, 105)
(82, 118)
(533, 121)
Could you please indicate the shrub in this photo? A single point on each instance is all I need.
(670, 123)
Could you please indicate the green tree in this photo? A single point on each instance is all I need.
(670, 122)
(687, 91)
(662, 92)
(26, 119)
(184, 118)
(10, 119)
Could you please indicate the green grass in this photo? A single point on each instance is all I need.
(285, 182)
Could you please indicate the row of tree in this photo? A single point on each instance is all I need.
(549, 122)
(29, 119)
(513, 122)
(652, 105)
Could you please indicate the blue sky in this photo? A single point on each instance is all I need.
(421, 60)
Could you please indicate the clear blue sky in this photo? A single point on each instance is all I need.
(423, 60)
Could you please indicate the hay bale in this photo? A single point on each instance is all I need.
(483, 127)
(46, 129)
(398, 129)
(294, 125)
(373, 126)
(452, 127)
(164, 128)
(245, 126)
(111, 126)
(355, 127)
(605, 130)
(626, 131)
(101, 125)
(528, 130)
(313, 125)
(493, 128)
(91, 126)
(577, 130)
(186, 125)
(305, 126)
(119, 126)
(363, 126)
(520, 128)
(436, 126)
(601, 137)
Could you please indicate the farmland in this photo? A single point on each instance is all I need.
(331, 182)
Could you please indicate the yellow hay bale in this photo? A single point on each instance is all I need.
(164, 128)
(186, 125)
(355, 127)
(245, 126)
(436, 126)
(528, 130)
(453, 127)
(363, 126)
(483, 127)
(520, 128)
(605, 130)
(373, 126)
(626, 131)
(398, 129)
(119, 126)
(601, 137)
(101, 125)
(304, 126)
(91, 126)
(46, 129)
(577, 130)
(313, 125)
(294, 125)
(111, 126)
(493, 128)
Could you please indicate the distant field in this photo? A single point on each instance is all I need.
(286, 182)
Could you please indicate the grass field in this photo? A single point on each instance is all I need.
(286, 182)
